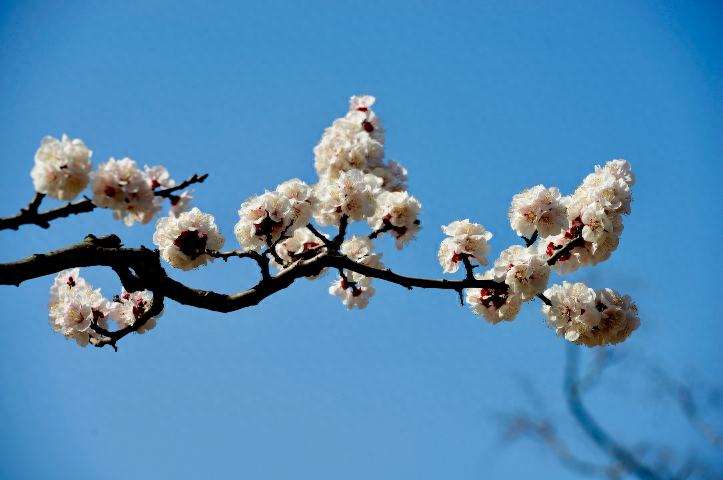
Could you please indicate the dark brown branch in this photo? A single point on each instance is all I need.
(328, 243)
(30, 214)
(339, 239)
(168, 192)
(146, 265)
(26, 217)
(261, 260)
(544, 299)
(110, 338)
(531, 240)
(377, 233)
(575, 242)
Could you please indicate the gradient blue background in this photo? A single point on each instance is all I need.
(480, 100)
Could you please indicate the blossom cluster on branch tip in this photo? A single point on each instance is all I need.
(63, 170)
(76, 310)
(62, 167)
(590, 318)
(468, 242)
(184, 241)
(592, 218)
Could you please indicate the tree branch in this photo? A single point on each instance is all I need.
(30, 215)
(575, 242)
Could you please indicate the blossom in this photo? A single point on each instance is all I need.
(159, 178)
(296, 247)
(121, 186)
(495, 305)
(180, 203)
(131, 309)
(396, 212)
(352, 194)
(619, 316)
(572, 312)
(74, 307)
(263, 219)
(62, 167)
(469, 241)
(183, 241)
(525, 270)
(352, 295)
(360, 250)
(538, 209)
(302, 201)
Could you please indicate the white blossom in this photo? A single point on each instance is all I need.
(121, 186)
(352, 296)
(263, 219)
(538, 209)
(183, 241)
(180, 203)
(397, 212)
(469, 240)
(572, 312)
(525, 270)
(619, 316)
(302, 201)
(360, 250)
(61, 168)
(296, 247)
(495, 305)
(352, 194)
(132, 307)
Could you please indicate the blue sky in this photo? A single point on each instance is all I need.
(480, 100)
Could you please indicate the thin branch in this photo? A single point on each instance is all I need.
(339, 239)
(30, 215)
(544, 431)
(110, 338)
(531, 240)
(377, 233)
(544, 299)
(468, 266)
(146, 265)
(328, 243)
(261, 260)
(575, 242)
(591, 427)
(168, 192)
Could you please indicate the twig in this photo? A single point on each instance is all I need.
(531, 240)
(261, 260)
(575, 242)
(328, 243)
(30, 214)
(339, 239)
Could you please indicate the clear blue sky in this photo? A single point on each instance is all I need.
(480, 100)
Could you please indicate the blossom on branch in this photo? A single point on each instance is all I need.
(61, 168)
(468, 241)
(184, 241)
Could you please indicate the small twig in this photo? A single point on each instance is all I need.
(531, 240)
(328, 243)
(377, 233)
(468, 266)
(339, 239)
(575, 242)
(30, 214)
(110, 338)
(544, 299)
(168, 192)
(261, 260)
(272, 245)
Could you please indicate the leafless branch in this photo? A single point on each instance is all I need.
(30, 215)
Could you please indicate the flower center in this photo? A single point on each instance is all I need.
(192, 243)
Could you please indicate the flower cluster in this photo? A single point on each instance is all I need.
(468, 242)
(538, 209)
(494, 304)
(355, 142)
(396, 213)
(130, 193)
(590, 318)
(62, 167)
(354, 288)
(76, 309)
(301, 244)
(184, 241)
(264, 218)
(594, 215)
